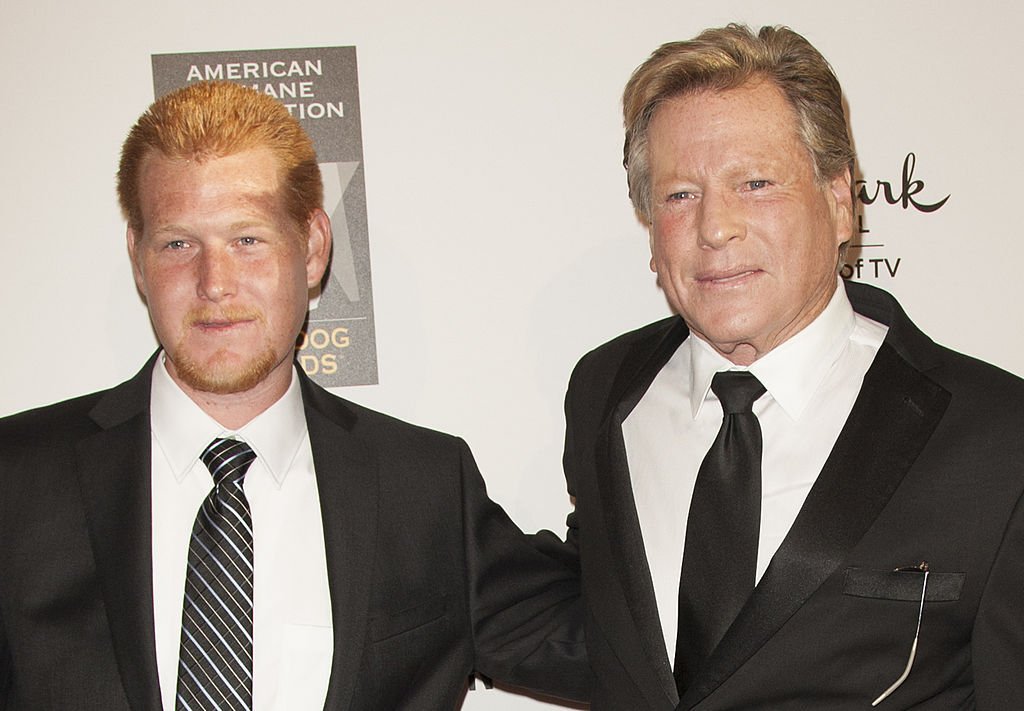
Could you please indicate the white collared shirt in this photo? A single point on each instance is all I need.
(292, 630)
(812, 381)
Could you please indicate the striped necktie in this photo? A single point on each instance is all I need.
(215, 660)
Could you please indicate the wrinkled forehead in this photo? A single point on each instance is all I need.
(750, 110)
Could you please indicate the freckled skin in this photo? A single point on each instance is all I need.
(744, 239)
(226, 276)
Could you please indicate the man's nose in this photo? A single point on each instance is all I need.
(217, 274)
(721, 219)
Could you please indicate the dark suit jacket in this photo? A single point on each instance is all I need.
(929, 467)
(428, 578)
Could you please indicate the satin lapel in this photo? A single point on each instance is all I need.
(347, 481)
(114, 472)
(896, 412)
(622, 526)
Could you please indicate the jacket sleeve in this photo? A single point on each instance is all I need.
(998, 639)
(5, 666)
(524, 598)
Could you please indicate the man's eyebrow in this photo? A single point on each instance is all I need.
(247, 224)
(177, 229)
(172, 229)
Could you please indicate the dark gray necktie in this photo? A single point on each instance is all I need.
(215, 661)
(720, 555)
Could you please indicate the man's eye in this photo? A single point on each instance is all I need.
(757, 184)
(681, 195)
(177, 244)
(247, 241)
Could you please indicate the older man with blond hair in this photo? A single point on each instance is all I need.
(788, 497)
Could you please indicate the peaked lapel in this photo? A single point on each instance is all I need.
(865, 467)
(347, 481)
(622, 526)
(114, 473)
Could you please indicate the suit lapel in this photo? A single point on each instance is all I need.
(622, 524)
(114, 468)
(347, 481)
(866, 465)
(114, 473)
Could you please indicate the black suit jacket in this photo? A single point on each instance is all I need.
(428, 578)
(928, 468)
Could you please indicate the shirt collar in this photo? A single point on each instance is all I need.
(183, 431)
(790, 372)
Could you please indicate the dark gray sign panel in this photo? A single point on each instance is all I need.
(320, 87)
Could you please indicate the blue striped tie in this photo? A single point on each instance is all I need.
(215, 661)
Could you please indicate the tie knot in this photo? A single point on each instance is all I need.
(737, 390)
(227, 459)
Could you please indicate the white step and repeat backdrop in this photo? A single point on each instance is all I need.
(501, 240)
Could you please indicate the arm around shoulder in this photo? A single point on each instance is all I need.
(524, 598)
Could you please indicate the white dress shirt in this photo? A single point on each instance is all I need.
(812, 381)
(292, 631)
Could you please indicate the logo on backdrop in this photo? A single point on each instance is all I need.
(869, 258)
(320, 88)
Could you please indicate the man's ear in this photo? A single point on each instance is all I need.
(134, 254)
(650, 241)
(318, 247)
(840, 189)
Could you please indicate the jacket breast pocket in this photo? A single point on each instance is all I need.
(410, 655)
(903, 585)
(386, 627)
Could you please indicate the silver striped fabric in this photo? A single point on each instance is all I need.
(215, 661)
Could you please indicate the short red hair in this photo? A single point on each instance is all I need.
(215, 119)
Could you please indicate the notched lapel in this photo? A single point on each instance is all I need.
(622, 525)
(892, 419)
(348, 486)
(114, 472)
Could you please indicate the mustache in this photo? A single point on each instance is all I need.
(227, 314)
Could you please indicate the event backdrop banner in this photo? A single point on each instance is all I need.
(873, 254)
(320, 87)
